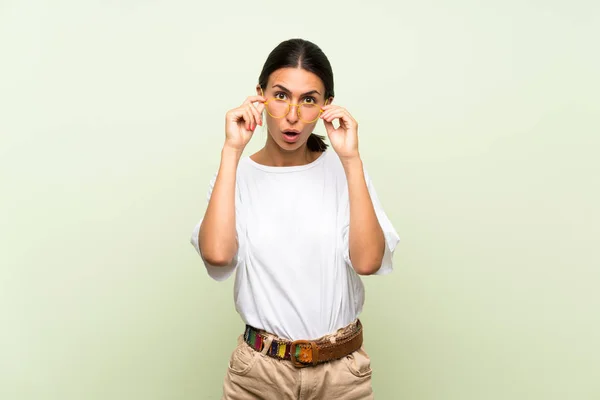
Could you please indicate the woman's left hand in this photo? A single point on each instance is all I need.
(344, 139)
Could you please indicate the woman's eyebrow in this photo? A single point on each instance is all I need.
(288, 91)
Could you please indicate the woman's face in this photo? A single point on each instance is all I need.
(296, 86)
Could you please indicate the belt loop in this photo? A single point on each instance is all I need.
(267, 344)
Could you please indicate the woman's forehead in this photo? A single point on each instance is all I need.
(296, 80)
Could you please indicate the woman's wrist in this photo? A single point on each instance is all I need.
(352, 164)
(231, 153)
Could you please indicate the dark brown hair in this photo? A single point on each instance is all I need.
(300, 53)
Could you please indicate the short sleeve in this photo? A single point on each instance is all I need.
(216, 272)
(390, 235)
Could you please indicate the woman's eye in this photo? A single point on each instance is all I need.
(280, 96)
(310, 100)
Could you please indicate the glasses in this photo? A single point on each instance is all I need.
(307, 112)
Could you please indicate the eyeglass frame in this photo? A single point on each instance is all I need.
(290, 105)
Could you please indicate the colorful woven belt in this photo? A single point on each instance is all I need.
(278, 349)
(303, 353)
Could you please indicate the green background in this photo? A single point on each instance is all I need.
(478, 122)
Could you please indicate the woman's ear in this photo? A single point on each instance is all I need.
(329, 100)
(259, 91)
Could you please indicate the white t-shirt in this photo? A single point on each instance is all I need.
(293, 276)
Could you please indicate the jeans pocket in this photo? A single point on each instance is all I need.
(359, 363)
(242, 359)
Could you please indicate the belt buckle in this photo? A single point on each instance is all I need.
(314, 353)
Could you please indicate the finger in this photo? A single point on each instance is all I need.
(255, 113)
(250, 114)
(329, 127)
(253, 121)
(248, 120)
(260, 107)
(331, 110)
(332, 107)
(329, 107)
(330, 115)
(236, 115)
(343, 115)
(252, 99)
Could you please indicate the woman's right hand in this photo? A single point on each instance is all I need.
(241, 122)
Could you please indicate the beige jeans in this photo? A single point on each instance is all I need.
(254, 375)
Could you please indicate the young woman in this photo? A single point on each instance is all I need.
(298, 223)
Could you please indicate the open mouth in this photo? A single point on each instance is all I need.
(291, 135)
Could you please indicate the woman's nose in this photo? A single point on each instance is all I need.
(292, 115)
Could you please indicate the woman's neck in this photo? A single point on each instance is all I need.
(274, 156)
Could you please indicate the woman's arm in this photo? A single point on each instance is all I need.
(217, 237)
(366, 239)
(367, 243)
